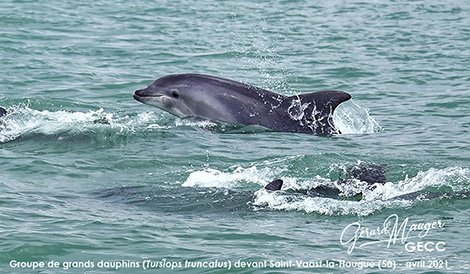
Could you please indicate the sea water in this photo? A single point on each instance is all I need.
(93, 181)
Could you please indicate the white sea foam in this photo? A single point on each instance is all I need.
(195, 123)
(21, 120)
(454, 179)
(404, 193)
(210, 177)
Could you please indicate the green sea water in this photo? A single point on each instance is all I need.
(93, 181)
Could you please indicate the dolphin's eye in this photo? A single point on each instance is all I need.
(175, 94)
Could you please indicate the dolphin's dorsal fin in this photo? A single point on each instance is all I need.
(2, 111)
(314, 110)
(325, 99)
(274, 185)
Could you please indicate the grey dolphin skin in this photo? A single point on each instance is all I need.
(219, 99)
(2, 111)
(369, 173)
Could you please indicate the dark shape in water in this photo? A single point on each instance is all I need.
(219, 99)
(182, 200)
(2, 111)
(365, 172)
(274, 185)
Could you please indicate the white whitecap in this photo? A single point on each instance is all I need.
(210, 177)
(402, 194)
(22, 120)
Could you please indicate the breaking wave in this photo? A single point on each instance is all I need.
(236, 179)
(22, 121)
(433, 184)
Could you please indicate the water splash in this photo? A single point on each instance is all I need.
(426, 185)
(210, 177)
(21, 121)
(205, 124)
(296, 110)
(350, 118)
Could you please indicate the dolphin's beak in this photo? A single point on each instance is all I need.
(137, 95)
(141, 94)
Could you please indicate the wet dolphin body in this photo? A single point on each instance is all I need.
(372, 175)
(219, 99)
(369, 173)
(2, 111)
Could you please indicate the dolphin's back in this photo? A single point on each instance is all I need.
(2, 111)
(250, 105)
(232, 89)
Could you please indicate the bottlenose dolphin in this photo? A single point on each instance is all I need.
(2, 111)
(369, 173)
(219, 99)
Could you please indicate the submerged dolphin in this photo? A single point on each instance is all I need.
(219, 99)
(369, 173)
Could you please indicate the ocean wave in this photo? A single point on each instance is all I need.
(211, 177)
(296, 194)
(23, 121)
